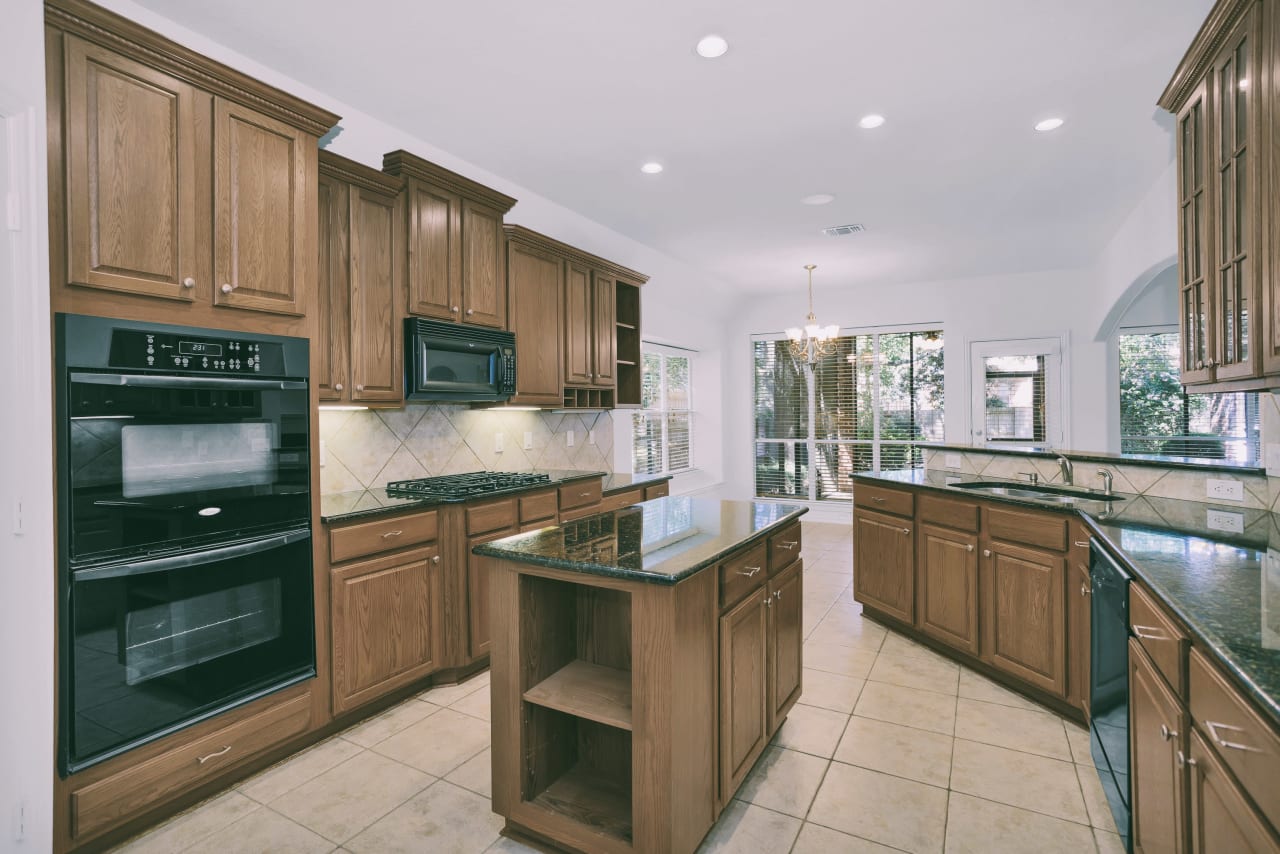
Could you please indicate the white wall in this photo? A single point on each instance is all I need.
(26, 455)
(1156, 305)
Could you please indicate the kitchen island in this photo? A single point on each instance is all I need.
(641, 661)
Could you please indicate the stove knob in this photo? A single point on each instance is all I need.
(151, 360)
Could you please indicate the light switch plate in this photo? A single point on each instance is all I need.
(528, 440)
(591, 437)
(568, 437)
(324, 456)
(1224, 520)
(1224, 489)
(952, 461)
(499, 441)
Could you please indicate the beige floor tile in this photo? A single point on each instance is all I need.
(476, 774)
(296, 770)
(844, 660)
(390, 722)
(1019, 779)
(1078, 739)
(510, 846)
(748, 829)
(975, 826)
(1095, 799)
(447, 695)
(859, 633)
(348, 798)
(444, 818)
(1019, 729)
(907, 706)
(438, 744)
(191, 827)
(816, 839)
(898, 750)
(830, 690)
(809, 729)
(896, 644)
(475, 704)
(264, 831)
(889, 810)
(976, 687)
(1108, 843)
(916, 671)
(784, 781)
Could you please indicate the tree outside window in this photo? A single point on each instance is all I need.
(662, 432)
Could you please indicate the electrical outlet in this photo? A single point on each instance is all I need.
(528, 440)
(1273, 459)
(951, 480)
(17, 518)
(324, 455)
(498, 441)
(1224, 520)
(20, 821)
(568, 437)
(591, 437)
(952, 461)
(1224, 489)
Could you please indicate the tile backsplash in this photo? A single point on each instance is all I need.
(368, 448)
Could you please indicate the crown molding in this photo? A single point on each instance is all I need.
(402, 164)
(537, 240)
(358, 174)
(1204, 47)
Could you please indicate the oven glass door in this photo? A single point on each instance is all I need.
(159, 644)
(457, 367)
(172, 463)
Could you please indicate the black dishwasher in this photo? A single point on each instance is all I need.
(1109, 683)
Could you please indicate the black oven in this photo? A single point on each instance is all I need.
(184, 539)
(457, 362)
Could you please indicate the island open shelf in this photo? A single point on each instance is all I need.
(592, 691)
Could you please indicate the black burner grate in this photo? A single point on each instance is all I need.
(463, 485)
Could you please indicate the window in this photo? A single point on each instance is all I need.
(1017, 392)
(1158, 417)
(864, 407)
(662, 432)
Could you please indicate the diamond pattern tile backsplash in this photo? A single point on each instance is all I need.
(368, 448)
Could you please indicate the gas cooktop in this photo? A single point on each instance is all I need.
(465, 485)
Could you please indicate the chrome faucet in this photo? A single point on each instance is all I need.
(1032, 476)
(1106, 481)
(1068, 474)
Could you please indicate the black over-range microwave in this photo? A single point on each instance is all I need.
(458, 363)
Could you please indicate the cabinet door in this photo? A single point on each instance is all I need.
(948, 586)
(1222, 819)
(1079, 636)
(1194, 258)
(435, 268)
(786, 641)
(744, 718)
(1235, 148)
(884, 563)
(377, 270)
(137, 156)
(1157, 738)
(578, 346)
(333, 295)
(604, 332)
(263, 211)
(535, 282)
(1024, 615)
(484, 281)
(386, 624)
(478, 635)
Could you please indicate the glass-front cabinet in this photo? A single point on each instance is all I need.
(1193, 239)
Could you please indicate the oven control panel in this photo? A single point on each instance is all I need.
(164, 351)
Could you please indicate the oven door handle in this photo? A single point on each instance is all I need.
(188, 559)
(152, 381)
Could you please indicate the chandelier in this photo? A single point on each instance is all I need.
(813, 341)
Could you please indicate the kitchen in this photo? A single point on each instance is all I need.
(447, 657)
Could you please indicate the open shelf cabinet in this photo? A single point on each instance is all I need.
(627, 324)
(592, 691)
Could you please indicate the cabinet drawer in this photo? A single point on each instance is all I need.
(580, 494)
(1245, 742)
(622, 499)
(538, 505)
(579, 513)
(894, 501)
(949, 513)
(367, 538)
(784, 547)
(741, 574)
(1046, 530)
(133, 790)
(658, 490)
(1160, 637)
(491, 516)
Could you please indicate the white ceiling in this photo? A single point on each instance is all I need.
(569, 97)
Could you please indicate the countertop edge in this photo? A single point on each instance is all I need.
(1190, 463)
(648, 481)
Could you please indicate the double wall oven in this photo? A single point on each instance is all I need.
(184, 539)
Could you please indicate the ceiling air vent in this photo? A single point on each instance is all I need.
(842, 230)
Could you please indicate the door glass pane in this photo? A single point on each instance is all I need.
(1197, 217)
(1242, 203)
(782, 469)
(782, 395)
(1015, 398)
(1242, 296)
(1227, 292)
(1226, 184)
(1241, 84)
(1226, 123)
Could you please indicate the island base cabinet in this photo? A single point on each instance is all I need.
(744, 716)
(1157, 739)
(884, 563)
(1024, 618)
(1222, 819)
(786, 641)
(948, 595)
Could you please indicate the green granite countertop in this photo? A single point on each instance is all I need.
(1224, 585)
(662, 541)
(623, 481)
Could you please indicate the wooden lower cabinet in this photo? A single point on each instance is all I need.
(744, 717)
(884, 563)
(1157, 743)
(1079, 619)
(947, 593)
(1222, 819)
(786, 641)
(478, 633)
(1023, 614)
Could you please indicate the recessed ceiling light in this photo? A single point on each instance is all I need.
(818, 199)
(872, 121)
(1048, 125)
(651, 168)
(712, 46)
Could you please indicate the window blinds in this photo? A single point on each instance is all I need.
(662, 432)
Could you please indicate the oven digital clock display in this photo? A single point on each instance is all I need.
(199, 348)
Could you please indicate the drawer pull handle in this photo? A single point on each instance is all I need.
(754, 570)
(1148, 633)
(968, 547)
(584, 494)
(390, 534)
(1214, 726)
(1084, 544)
(877, 499)
(1167, 733)
(214, 755)
(788, 546)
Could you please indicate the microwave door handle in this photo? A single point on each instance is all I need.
(183, 561)
(152, 381)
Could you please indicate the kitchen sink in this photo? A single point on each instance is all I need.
(1051, 494)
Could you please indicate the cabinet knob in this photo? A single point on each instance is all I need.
(470, 311)
(1084, 589)
(986, 552)
(906, 531)
(337, 386)
(454, 309)
(359, 388)
(435, 559)
(227, 288)
(1212, 363)
(1199, 366)
(1183, 759)
(968, 547)
(778, 595)
(1167, 733)
(188, 283)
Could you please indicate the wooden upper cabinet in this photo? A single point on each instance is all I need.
(1193, 239)
(947, 586)
(455, 243)
(578, 319)
(1157, 743)
(1023, 614)
(136, 161)
(884, 563)
(535, 293)
(333, 298)
(604, 331)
